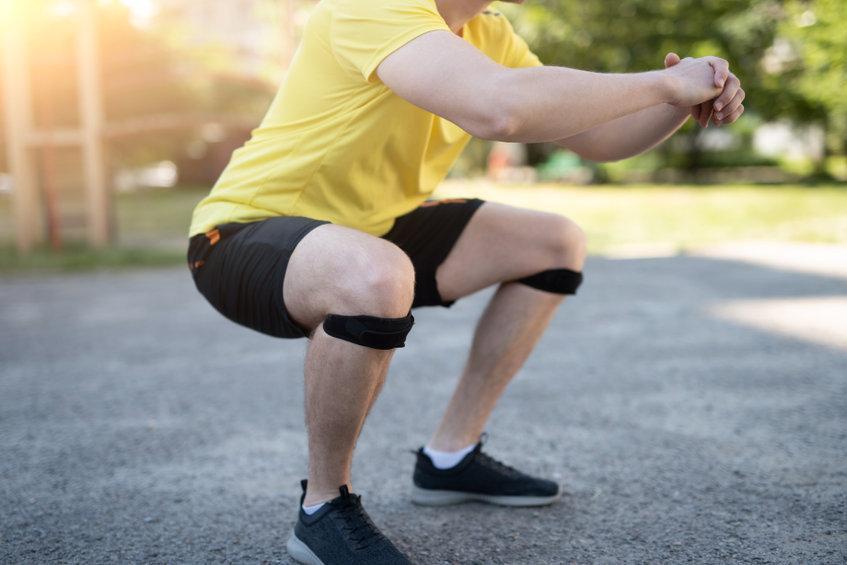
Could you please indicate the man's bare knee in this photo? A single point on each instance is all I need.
(568, 244)
(336, 270)
(385, 288)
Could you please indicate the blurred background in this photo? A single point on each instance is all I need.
(119, 115)
(692, 398)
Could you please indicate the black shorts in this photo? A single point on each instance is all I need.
(240, 268)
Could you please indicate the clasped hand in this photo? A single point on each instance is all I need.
(709, 80)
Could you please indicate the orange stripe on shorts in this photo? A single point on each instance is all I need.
(214, 236)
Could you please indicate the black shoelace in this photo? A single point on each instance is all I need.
(488, 461)
(357, 524)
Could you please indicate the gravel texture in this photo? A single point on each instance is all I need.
(137, 425)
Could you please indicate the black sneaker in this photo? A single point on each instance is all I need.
(340, 532)
(480, 477)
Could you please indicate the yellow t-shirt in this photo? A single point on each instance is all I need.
(336, 143)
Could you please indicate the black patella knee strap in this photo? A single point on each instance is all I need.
(560, 281)
(370, 331)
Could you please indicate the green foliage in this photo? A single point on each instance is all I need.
(817, 35)
(789, 54)
(635, 35)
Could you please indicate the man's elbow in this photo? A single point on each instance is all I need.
(492, 125)
(498, 126)
(504, 118)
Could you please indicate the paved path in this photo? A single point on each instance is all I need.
(137, 425)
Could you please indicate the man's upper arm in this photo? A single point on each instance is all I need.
(445, 75)
(409, 47)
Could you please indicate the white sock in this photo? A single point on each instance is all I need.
(312, 509)
(447, 459)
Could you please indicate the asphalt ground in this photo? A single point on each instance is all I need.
(138, 425)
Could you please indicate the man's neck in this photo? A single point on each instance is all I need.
(459, 12)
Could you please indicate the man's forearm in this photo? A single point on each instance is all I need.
(628, 136)
(551, 103)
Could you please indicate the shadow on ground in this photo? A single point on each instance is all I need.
(136, 424)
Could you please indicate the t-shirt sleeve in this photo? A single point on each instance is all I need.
(364, 32)
(516, 53)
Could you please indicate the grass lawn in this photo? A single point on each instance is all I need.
(618, 218)
(152, 225)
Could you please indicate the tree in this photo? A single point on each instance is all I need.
(816, 36)
(635, 35)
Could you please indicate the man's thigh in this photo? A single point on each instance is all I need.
(504, 243)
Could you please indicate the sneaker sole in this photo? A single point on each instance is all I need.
(300, 552)
(429, 497)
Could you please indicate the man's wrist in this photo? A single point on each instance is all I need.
(662, 85)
